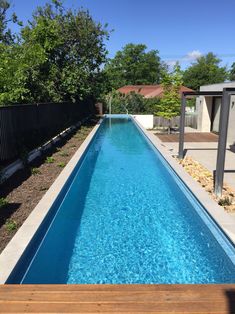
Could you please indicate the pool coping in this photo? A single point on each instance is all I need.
(16, 247)
(223, 219)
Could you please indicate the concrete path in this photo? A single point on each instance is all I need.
(206, 154)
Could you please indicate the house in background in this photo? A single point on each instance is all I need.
(148, 91)
(208, 111)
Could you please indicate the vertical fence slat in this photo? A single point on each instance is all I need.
(25, 127)
(190, 121)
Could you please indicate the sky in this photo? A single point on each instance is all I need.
(179, 29)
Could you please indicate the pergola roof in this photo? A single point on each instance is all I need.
(223, 130)
(203, 93)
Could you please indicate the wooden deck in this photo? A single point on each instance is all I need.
(189, 137)
(162, 299)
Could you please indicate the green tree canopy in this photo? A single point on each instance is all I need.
(232, 72)
(169, 105)
(206, 70)
(133, 65)
(59, 58)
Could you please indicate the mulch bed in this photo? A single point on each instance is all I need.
(25, 189)
(189, 137)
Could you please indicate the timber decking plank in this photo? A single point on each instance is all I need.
(117, 287)
(164, 299)
(113, 296)
(210, 307)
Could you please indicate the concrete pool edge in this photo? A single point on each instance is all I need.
(224, 221)
(16, 247)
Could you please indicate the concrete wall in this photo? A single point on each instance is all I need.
(231, 124)
(145, 120)
(204, 109)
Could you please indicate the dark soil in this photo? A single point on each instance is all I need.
(26, 187)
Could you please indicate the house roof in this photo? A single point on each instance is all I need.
(148, 91)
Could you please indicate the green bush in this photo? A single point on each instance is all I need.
(226, 201)
(11, 225)
(50, 160)
(35, 171)
(64, 154)
(3, 202)
(61, 164)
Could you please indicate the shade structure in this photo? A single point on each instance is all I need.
(223, 130)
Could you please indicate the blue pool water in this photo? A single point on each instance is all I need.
(127, 218)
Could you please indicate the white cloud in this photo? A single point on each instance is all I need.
(171, 63)
(186, 59)
(192, 55)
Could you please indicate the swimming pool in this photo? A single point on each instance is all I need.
(125, 217)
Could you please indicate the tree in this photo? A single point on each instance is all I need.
(232, 72)
(6, 36)
(131, 103)
(169, 105)
(133, 65)
(59, 58)
(204, 71)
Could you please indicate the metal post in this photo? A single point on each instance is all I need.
(221, 153)
(182, 123)
(110, 105)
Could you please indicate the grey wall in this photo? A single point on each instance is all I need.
(231, 124)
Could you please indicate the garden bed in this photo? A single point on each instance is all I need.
(21, 193)
(205, 178)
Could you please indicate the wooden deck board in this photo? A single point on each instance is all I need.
(189, 137)
(117, 299)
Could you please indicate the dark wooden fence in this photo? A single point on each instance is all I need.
(190, 120)
(25, 127)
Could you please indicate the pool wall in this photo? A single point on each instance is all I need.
(14, 254)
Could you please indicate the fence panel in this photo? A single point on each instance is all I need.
(190, 120)
(25, 127)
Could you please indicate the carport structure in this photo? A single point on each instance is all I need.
(223, 130)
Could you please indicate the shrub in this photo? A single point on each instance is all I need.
(132, 103)
(3, 202)
(11, 225)
(225, 201)
(50, 160)
(61, 164)
(35, 171)
(64, 154)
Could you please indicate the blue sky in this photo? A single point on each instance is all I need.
(179, 29)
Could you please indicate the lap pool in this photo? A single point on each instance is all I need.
(125, 217)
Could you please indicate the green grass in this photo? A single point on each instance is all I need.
(11, 225)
